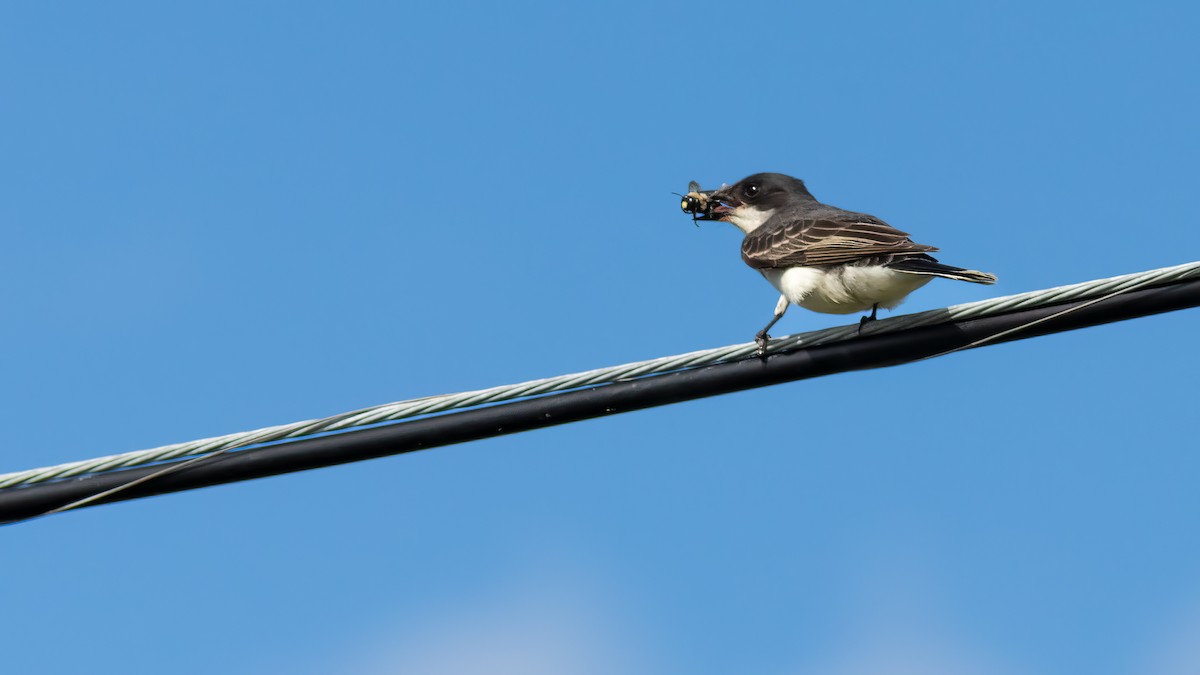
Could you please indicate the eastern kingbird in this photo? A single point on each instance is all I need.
(818, 256)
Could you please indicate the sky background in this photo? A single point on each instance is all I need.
(221, 216)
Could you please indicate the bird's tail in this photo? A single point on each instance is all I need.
(937, 269)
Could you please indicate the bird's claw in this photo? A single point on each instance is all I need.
(862, 323)
(761, 340)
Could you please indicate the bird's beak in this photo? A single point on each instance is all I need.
(720, 204)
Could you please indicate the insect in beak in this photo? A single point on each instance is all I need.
(697, 203)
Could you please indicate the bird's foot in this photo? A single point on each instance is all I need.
(762, 339)
(868, 319)
(863, 322)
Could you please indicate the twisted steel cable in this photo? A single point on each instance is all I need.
(400, 410)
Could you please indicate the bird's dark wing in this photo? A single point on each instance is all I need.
(799, 241)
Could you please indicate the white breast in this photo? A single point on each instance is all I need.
(842, 289)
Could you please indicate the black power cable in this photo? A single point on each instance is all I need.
(869, 351)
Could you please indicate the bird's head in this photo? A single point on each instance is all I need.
(751, 201)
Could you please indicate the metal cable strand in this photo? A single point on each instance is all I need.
(435, 404)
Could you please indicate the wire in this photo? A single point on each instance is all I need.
(170, 468)
(1016, 329)
(1130, 298)
(418, 407)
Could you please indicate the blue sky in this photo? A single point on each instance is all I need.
(222, 216)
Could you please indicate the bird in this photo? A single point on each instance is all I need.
(820, 257)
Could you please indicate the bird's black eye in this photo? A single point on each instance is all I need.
(751, 190)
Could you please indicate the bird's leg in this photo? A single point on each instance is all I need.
(761, 339)
(868, 319)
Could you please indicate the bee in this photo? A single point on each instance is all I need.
(696, 202)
